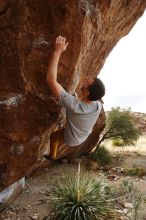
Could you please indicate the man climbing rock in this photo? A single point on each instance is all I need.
(81, 112)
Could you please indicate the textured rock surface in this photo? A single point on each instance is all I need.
(28, 112)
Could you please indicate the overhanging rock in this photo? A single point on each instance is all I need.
(28, 111)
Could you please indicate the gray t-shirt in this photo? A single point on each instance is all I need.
(80, 118)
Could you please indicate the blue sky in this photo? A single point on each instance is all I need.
(124, 72)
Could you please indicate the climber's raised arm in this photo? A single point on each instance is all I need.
(60, 46)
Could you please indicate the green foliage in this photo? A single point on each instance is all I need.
(118, 142)
(127, 187)
(133, 197)
(138, 171)
(79, 196)
(120, 125)
(137, 206)
(102, 156)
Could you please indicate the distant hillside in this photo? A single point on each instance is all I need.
(140, 120)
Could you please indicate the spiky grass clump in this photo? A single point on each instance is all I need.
(79, 196)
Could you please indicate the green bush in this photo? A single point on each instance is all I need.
(79, 196)
(133, 196)
(120, 124)
(102, 156)
(138, 171)
(118, 142)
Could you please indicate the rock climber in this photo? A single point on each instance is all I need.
(81, 112)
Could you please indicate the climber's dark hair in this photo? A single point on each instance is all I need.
(96, 90)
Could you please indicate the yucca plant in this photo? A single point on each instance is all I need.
(78, 196)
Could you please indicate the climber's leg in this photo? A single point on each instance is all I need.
(59, 150)
(56, 143)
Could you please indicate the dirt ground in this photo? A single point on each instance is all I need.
(26, 207)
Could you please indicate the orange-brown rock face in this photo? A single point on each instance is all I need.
(28, 111)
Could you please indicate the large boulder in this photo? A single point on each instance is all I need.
(28, 28)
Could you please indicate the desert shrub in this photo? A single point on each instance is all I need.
(102, 156)
(79, 196)
(120, 125)
(134, 197)
(138, 171)
(117, 142)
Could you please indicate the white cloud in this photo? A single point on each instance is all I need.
(124, 72)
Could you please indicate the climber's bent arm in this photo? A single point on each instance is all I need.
(60, 46)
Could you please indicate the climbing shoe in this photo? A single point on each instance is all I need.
(47, 157)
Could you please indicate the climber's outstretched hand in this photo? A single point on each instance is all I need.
(61, 44)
